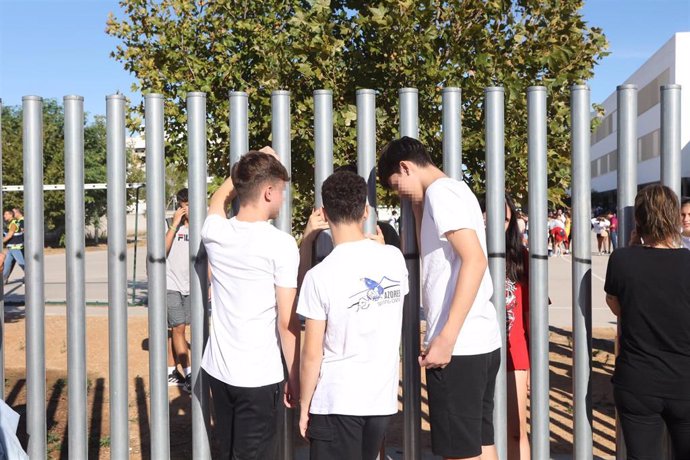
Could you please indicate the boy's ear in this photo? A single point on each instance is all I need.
(325, 214)
(406, 167)
(366, 211)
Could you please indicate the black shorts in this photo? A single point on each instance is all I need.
(335, 437)
(246, 420)
(461, 404)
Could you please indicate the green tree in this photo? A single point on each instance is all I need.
(177, 46)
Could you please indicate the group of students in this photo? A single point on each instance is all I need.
(13, 240)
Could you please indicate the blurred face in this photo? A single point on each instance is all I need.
(685, 218)
(508, 216)
(407, 186)
(273, 194)
(8, 216)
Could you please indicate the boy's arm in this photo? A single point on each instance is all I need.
(315, 225)
(466, 245)
(289, 332)
(614, 304)
(312, 356)
(221, 199)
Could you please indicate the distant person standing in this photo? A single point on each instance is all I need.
(648, 287)
(685, 222)
(14, 241)
(178, 299)
(613, 231)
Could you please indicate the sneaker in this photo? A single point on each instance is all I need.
(175, 379)
(188, 383)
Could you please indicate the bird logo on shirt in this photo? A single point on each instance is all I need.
(377, 292)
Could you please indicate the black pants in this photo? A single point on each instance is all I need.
(246, 420)
(346, 437)
(642, 419)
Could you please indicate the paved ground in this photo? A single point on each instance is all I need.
(560, 290)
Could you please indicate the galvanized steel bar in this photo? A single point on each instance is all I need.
(34, 297)
(155, 248)
(494, 119)
(117, 276)
(239, 132)
(2, 287)
(581, 271)
(670, 137)
(280, 127)
(76, 281)
(366, 150)
(323, 140)
(198, 270)
(412, 393)
(452, 132)
(538, 281)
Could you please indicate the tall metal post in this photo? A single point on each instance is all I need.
(117, 276)
(155, 248)
(538, 270)
(582, 272)
(280, 123)
(2, 287)
(34, 297)
(239, 132)
(366, 150)
(496, 245)
(412, 386)
(670, 137)
(452, 132)
(198, 270)
(74, 251)
(280, 126)
(323, 140)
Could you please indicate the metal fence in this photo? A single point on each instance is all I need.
(366, 149)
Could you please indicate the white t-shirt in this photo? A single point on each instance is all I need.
(600, 225)
(359, 290)
(450, 205)
(247, 259)
(685, 241)
(177, 262)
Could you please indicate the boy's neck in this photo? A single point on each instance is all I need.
(429, 174)
(252, 213)
(346, 232)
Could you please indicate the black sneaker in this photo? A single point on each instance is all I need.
(188, 383)
(175, 379)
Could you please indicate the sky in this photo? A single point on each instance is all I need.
(53, 48)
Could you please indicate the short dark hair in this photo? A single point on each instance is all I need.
(344, 196)
(182, 196)
(253, 170)
(657, 214)
(403, 149)
(684, 201)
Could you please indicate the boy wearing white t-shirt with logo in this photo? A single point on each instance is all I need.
(254, 325)
(462, 346)
(352, 302)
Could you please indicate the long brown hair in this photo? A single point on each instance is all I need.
(657, 215)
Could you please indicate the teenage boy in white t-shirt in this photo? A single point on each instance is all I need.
(254, 269)
(352, 302)
(462, 345)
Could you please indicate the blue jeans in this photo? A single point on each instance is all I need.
(613, 238)
(13, 255)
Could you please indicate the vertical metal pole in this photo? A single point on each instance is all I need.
(34, 297)
(412, 385)
(76, 302)
(538, 281)
(117, 276)
(494, 118)
(323, 140)
(280, 126)
(280, 104)
(582, 272)
(2, 286)
(670, 137)
(239, 132)
(198, 270)
(366, 150)
(155, 247)
(452, 132)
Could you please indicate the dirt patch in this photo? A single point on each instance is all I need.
(180, 403)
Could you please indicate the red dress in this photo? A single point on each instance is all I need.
(517, 323)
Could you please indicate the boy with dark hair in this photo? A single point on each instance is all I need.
(462, 346)
(177, 295)
(352, 302)
(254, 284)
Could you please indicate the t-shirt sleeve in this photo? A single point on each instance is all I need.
(212, 228)
(450, 210)
(309, 304)
(286, 264)
(611, 285)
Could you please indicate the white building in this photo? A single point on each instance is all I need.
(670, 64)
